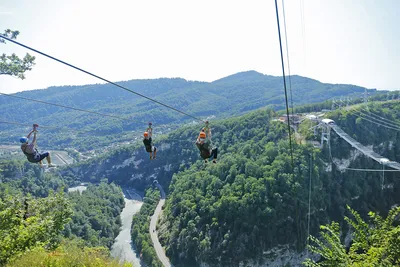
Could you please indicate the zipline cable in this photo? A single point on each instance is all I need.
(303, 32)
(381, 120)
(371, 170)
(287, 56)
(62, 106)
(98, 77)
(309, 205)
(30, 125)
(284, 83)
(373, 120)
(379, 117)
(15, 123)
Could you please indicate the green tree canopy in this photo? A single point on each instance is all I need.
(375, 244)
(69, 253)
(12, 64)
(25, 224)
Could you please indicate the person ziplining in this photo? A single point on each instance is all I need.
(203, 143)
(148, 142)
(30, 150)
(148, 134)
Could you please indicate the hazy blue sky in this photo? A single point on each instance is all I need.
(344, 41)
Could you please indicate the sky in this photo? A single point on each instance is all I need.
(333, 41)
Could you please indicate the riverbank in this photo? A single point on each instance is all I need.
(123, 246)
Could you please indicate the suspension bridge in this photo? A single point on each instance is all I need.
(363, 149)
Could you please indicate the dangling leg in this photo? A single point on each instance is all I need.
(42, 157)
(154, 152)
(214, 153)
(48, 158)
(205, 164)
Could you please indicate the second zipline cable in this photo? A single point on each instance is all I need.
(98, 77)
(62, 106)
(284, 85)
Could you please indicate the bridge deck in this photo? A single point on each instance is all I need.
(365, 150)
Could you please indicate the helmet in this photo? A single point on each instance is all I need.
(145, 134)
(202, 135)
(23, 139)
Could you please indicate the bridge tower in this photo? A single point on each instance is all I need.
(365, 97)
(325, 135)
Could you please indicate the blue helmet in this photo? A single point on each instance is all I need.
(23, 139)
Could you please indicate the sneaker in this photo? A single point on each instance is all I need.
(205, 161)
(214, 161)
(52, 165)
(151, 157)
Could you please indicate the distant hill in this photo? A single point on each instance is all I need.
(230, 96)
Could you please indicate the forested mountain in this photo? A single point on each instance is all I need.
(253, 199)
(230, 96)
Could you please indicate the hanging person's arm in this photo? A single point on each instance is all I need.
(29, 134)
(34, 139)
(209, 134)
(34, 134)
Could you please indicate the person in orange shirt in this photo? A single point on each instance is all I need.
(203, 143)
(148, 142)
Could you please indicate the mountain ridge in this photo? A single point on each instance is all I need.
(233, 95)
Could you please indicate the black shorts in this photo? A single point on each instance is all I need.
(41, 156)
(151, 149)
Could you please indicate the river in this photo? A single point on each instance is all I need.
(122, 247)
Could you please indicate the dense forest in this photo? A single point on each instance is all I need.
(249, 202)
(31, 234)
(34, 217)
(253, 200)
(28, 179)
(96, 214)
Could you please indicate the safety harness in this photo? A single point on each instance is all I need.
(32, 157)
